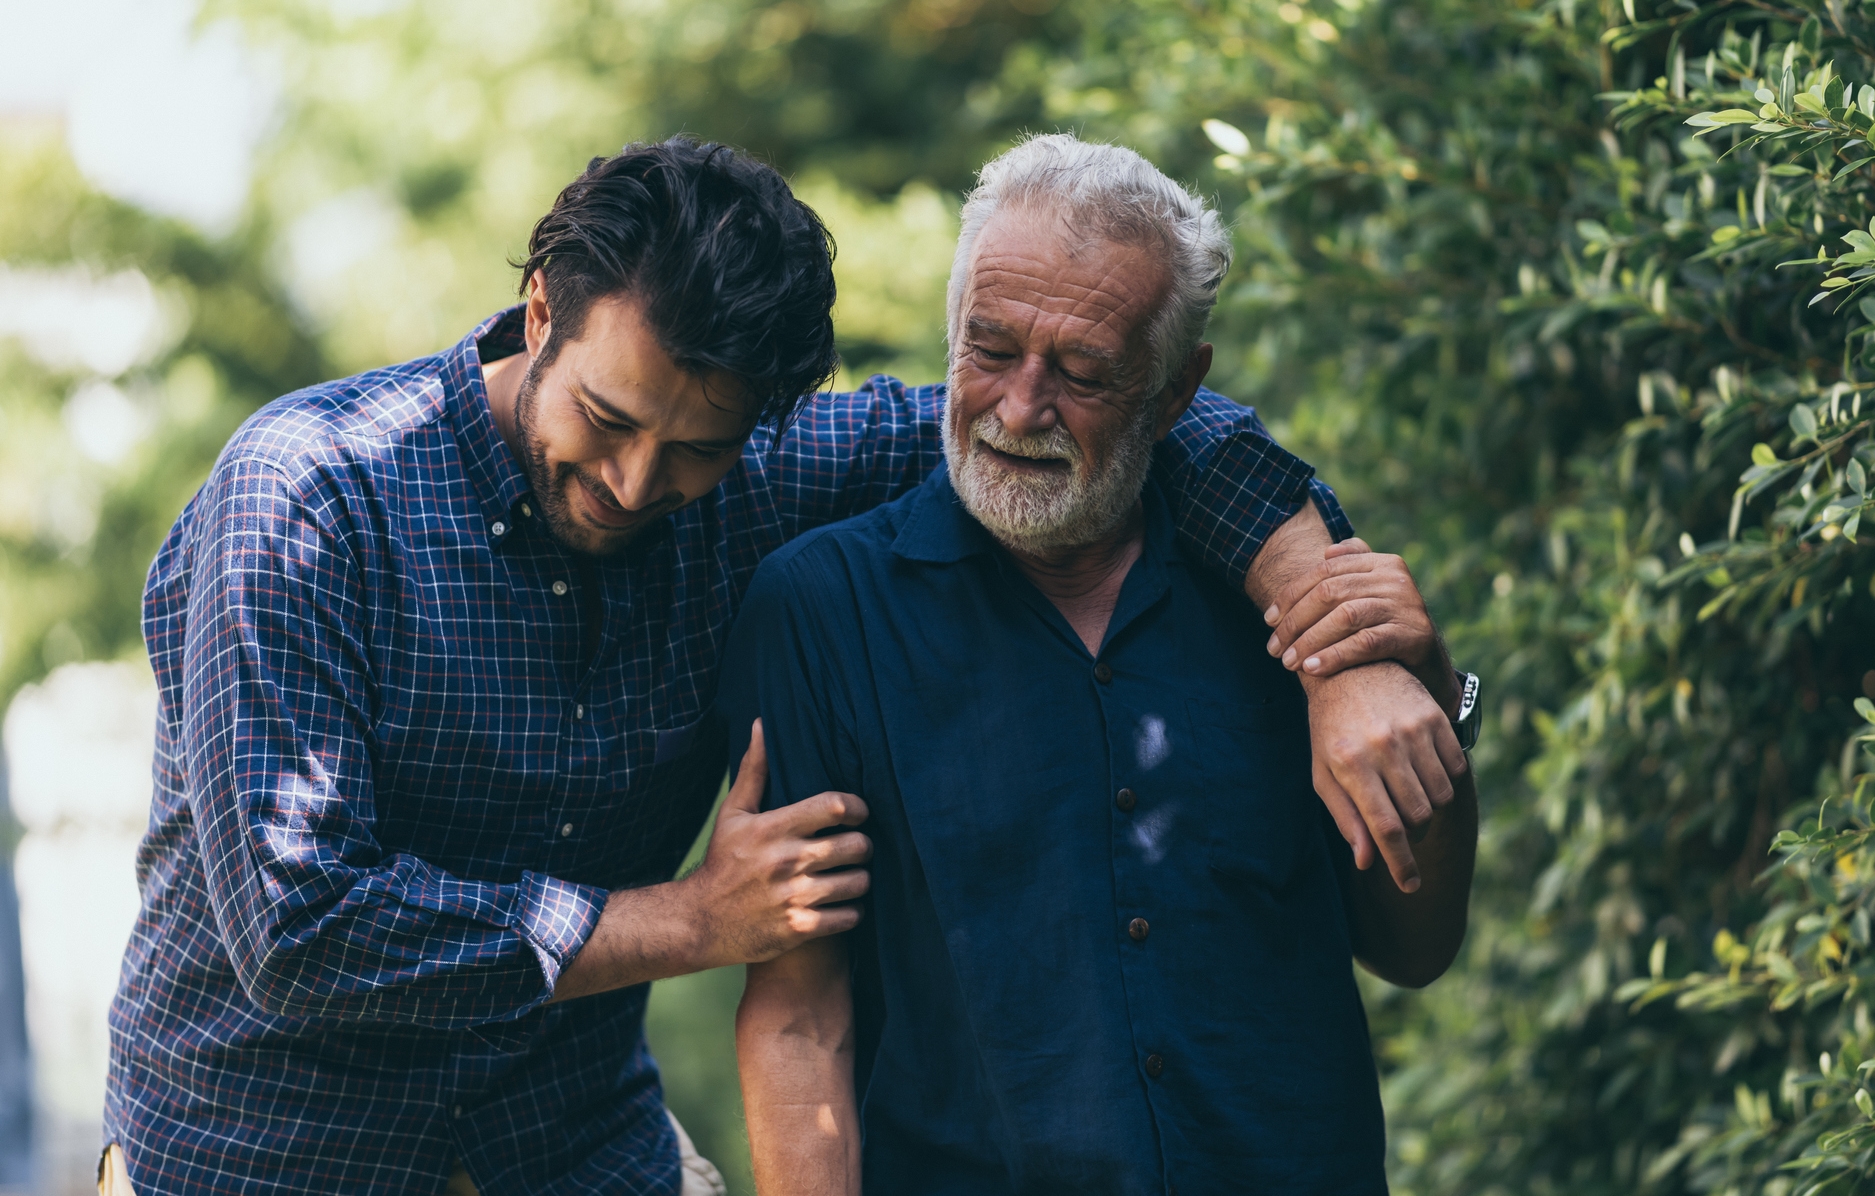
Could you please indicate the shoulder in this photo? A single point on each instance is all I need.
(302, 437)
(840, 562)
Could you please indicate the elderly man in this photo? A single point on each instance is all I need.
(1110, 925)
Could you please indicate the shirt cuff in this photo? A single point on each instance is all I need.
(1329, 506)
(556, 917)
(1249, 488)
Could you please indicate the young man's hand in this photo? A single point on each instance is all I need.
(770, 881)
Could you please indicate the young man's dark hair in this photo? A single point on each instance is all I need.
(735, 273)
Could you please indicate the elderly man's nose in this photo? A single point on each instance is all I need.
(1028, 403)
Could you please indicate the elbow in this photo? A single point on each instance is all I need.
(1416, 965)
(274, 991)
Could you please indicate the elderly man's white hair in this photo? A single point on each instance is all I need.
(1111, 192)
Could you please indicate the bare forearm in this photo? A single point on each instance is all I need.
(1291, 550)
(1410, 939)
(794, 1047)
(643, 935)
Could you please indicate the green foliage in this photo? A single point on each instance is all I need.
(1533, 326)
(77, 534)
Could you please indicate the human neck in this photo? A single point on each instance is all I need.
(502, 380)
(1084, 580)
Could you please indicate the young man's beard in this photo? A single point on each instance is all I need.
(1042, 513)
(552, 485)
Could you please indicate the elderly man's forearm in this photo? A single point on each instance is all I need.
(1410, 939)
(794, 1048)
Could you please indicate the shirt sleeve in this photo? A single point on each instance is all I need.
(1230, 484)
(781, 664)
(318, 918)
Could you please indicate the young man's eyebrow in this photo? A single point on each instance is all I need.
(613, 413)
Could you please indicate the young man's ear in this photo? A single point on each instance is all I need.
(539, 321)
(1182, 389)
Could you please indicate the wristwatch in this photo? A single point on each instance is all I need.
(1470, 714)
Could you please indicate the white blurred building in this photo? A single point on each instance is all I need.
(79, 745)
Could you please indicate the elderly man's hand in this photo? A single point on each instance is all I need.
(1384, 749)
(1356, 607)
(1384, 759)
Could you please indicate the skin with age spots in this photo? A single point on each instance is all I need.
(612, 433)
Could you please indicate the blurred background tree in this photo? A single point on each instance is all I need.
(1529, 321)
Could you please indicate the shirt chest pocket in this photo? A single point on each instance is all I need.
(1258, 800)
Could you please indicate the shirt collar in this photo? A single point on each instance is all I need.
(939, 530)
(497, 477)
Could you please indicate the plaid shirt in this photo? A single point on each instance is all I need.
(406, 744)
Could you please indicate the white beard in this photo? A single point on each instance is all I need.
(1039, 514)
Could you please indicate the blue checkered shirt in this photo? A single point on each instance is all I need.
(407, 743)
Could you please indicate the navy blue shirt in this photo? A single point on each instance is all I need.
(1106, 947)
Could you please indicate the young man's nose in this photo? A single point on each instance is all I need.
(635, 475)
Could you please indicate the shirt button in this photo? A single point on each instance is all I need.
(566, 831)
(579, 711)
(1102, 673)
(1139, 928)
(559, 587)
(456, 1112)
(1126, 799)
(527, 510)
(1155, 1065)
(498, 527)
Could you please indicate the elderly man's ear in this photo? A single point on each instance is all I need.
(1181, 390)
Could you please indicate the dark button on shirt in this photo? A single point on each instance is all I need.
(406, 742)
(1007, 1024)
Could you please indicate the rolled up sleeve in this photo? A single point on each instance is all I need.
(1232, 485)
(319, 919)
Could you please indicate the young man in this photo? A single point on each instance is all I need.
(435, 648)
(1110, 927)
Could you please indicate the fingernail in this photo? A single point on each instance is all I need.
(1312, 663)
(1271, 646)
(1289, 659)
(1411, 885)
(1269, 616)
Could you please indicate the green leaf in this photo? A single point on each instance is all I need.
(1730, 116)
(1810, 103)
(1803, 421)
(1864, 1103)
(1592, 232)
(1847, 259)
(1866, 709)
(1811, 36)
(1227, 137)
(1725, 234)
(1860, 240)
(1788, 170)
(1854, 166)
(1856, 476)
(1763, 454)
(1832, 94)
(1852, 525)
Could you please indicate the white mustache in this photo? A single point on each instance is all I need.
(1052, 445)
